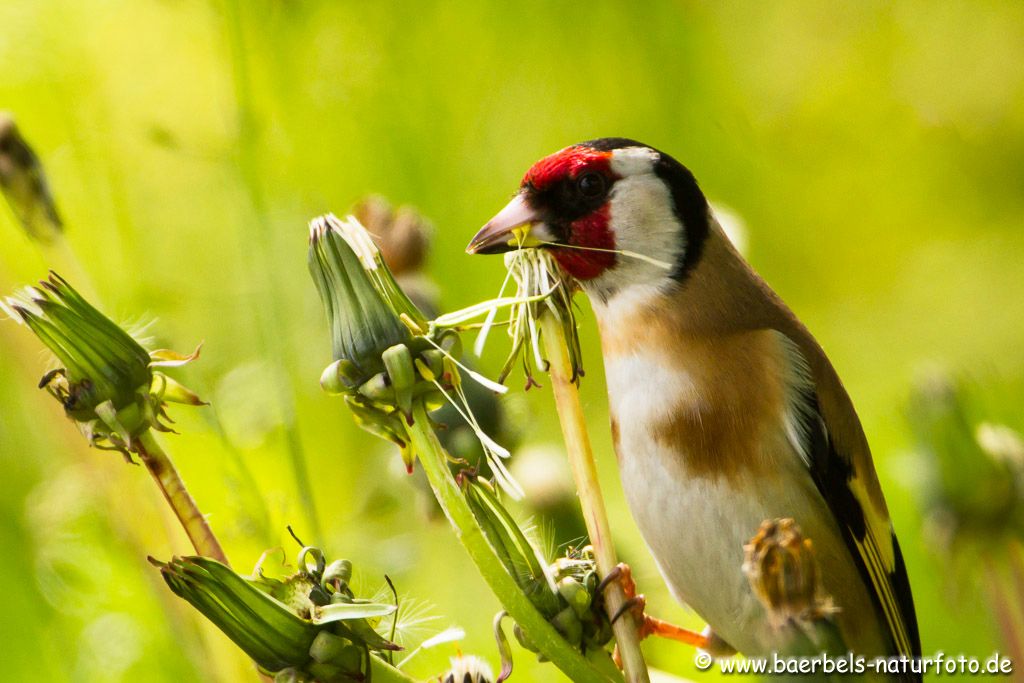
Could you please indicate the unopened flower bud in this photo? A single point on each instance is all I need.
(363, 322)
(107, 382)
(267, 630)
(305, 627)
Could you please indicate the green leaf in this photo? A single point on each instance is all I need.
(345, 611)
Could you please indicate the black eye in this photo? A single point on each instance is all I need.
(591, 185)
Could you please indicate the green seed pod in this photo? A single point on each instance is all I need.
(350, 658)
(378, 389)
(341, 598)
(568, 624)
(523, 639)
(434, 361)
(340, 377)
(398, 363)
(428, 391)
(576, 595)
(292, 626)
(327, 646)
(334, 656)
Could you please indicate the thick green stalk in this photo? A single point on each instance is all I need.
(185, 509)
(584, 472)
(542, 634)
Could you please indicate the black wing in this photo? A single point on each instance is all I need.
(873, 547)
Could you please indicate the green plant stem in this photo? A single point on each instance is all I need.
(550, 643)
(385, 673)
(584, 472)
(185, 509)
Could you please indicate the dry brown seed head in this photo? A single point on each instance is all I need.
(783, 573)
(402, 235)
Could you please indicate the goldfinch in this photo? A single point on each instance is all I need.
(725, 411)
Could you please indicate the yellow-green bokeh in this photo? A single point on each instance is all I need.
(875, 151)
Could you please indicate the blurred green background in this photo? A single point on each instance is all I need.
(875, 151)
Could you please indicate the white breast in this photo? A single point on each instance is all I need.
(696, 526)
(682, 521)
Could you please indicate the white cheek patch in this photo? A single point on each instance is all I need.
(644, 224)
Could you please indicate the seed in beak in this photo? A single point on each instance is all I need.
(517, 225)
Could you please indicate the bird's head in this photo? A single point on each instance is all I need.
(614, 212)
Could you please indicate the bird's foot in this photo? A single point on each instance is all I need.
(621, 575)
(652, 626)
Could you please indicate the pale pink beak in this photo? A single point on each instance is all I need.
(500, 233)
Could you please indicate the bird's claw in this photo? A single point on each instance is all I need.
(635, 604)
(648, 625)
(621, 574)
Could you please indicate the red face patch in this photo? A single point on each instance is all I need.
(566, 164)
(592, 244)
(583, 221)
